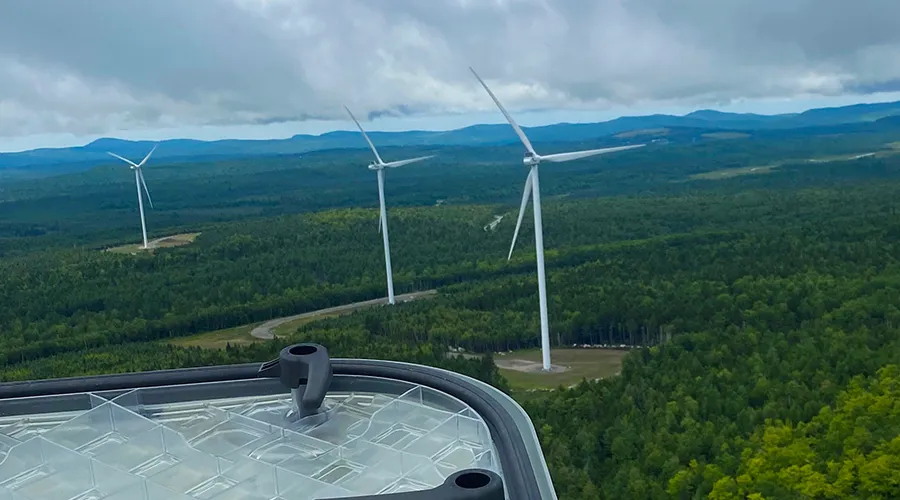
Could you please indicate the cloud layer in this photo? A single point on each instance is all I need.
(104, 65)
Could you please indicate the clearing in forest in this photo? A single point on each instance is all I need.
(523, 368)
(175, 240)
(724, 135)
(218, 339)
(727, 173)
(640, 132)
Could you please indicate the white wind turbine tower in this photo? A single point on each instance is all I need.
(532, 186)
(378, 166)
(139, 180)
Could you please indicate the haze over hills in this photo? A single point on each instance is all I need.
(693, 125)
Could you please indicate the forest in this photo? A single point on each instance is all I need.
(765, 307)
(99, 204)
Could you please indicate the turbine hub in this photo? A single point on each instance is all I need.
(531, 159)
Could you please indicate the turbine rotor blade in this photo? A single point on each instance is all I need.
(515, 126)
(562, 157)
(141, 164)
(377, 157)
(126, 160)
(525, 197)
(379, 220)
(144, 183)
(400, 163)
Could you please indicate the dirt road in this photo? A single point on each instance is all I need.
(264, 331)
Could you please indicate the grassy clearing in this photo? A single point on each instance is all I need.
(285, 329)
(724, 135)
(645, 131)
(727, 173)
(176, 240)
(130, 249)
(580, 363)
(219, 338)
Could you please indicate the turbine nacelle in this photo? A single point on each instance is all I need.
(379, 164)
(531, 159)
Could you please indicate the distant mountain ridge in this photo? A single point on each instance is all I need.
(475, 135)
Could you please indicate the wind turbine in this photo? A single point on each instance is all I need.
(378, 166)
(532, 186)
(139, 181)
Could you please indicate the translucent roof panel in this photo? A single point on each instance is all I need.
(239, 442)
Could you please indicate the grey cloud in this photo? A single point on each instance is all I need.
(103, 65)
(874, 87)
(180, 49)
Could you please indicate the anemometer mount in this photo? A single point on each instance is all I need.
(306, 370)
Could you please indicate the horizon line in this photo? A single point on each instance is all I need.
(351, 129)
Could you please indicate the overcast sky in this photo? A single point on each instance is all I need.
(71, 71)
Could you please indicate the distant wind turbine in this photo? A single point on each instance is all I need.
(532, 160)
(139, 181)
(378, 166)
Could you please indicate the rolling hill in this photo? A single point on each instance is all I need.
(693, 126)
